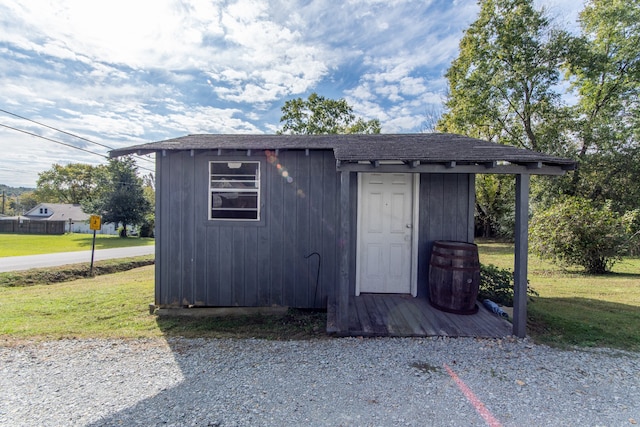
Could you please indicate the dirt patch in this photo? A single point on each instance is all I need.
(47, 276)
(293, 324)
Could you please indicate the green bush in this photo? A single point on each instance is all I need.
(496, 284)
(576, 232)
(631, 221)
(146, 230)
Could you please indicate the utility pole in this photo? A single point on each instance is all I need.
(3, 196)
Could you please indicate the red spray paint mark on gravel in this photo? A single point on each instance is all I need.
(473, 399)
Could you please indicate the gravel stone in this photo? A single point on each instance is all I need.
(329, 382)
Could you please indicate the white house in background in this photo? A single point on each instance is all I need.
(75, 219)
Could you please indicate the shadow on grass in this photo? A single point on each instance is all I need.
(606, 276)
(112, 242)
(295, 324)
(584, 322)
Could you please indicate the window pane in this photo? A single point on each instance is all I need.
(234, 169)
(217, 182)
(234, 190)
(229, 200)
(217, 214)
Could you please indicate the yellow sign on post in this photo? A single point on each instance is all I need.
(94, 222)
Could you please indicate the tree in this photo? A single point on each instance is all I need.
(148, 224)
(432, 116)
(74, 183)
(631, 221)
(16, 201)
(610, 176)
(604, 67)
(319, 115)
(502, 85)
(24, 202)
(578, 232)
(502, 89)
(495, 199)
(121, 199)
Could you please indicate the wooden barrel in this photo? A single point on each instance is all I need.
(454, 277)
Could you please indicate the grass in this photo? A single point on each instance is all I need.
(295, 324)
(572, 309)
(117, 306)
(34, 244)
(109, 306)
(47, 276)
(578, 309)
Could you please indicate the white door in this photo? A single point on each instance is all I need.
(386, 233)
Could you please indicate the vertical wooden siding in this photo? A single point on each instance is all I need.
(230, 263)
(447, 202)
(218, 263)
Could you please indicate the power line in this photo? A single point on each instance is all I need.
(56, 129)
(63, 143)
(65, 132)
(18, 171)
(53, 140)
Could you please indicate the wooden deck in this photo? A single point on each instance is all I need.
(404, 316)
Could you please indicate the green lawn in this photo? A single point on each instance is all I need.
(33, 244)
(572, 309)
(109, 306)
(117, 306)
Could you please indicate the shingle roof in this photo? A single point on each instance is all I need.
(426, 148)
(240, 142)
(59, 212)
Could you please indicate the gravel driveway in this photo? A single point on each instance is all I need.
(331, 382)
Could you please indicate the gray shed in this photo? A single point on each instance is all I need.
(318, 221)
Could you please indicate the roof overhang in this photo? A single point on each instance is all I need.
(419, 153)
(452, 167)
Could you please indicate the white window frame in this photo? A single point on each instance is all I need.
(256, 189)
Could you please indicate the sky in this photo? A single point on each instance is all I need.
(123, 72)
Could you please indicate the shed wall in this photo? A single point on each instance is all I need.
(232, 263)
(446, 212)
(447, 203)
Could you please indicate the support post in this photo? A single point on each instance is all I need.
(521, 256)
(471, 208)
(93, 251)
(344, 243)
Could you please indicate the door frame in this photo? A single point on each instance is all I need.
(414, 230)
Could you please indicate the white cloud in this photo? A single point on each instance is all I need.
(212, 120)
(125, 72)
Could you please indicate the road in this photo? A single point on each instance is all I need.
(27, 262)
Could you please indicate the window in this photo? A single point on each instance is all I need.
(234, 191)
